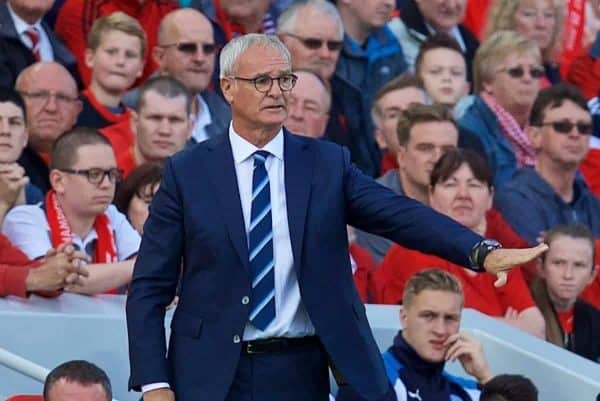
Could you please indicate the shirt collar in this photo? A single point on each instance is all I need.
(203, 118)
(20, 25)
(454, 33)
(242, 149)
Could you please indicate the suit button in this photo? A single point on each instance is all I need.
(236, 339)
(245, 300)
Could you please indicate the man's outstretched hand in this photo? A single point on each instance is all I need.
(500, 260)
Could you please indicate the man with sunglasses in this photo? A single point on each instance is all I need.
(552, 192)
(78, 210)
(186, 51)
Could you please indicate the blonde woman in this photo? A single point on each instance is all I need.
(537, 20)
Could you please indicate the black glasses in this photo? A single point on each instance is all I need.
(315, 43)
(264, 83)
(192, 47)
(518, 71)
(566, 127)
(96, 175)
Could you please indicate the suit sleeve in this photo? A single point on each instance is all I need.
(154, 283)
(376, 209)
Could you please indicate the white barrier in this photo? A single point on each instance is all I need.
(51, 331)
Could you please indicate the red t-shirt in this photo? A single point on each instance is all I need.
(122, 139)
(388, 162)
(590, 168)
(75, 19)
(591, 294)
(400, 264)
(476, 17)
(566, 321)
(365, 264)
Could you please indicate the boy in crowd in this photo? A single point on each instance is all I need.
(564, 272)
(115, 54)
(77, 210)
(430, 336)
(442, 67)
(15, 188)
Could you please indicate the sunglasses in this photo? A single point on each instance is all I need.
(566, 127)
(519, 71)
(192, 47)
(315, 43)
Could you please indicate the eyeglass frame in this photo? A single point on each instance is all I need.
(203, 46)
(45, 95)
(572, 125)
(112, 178)
(271, 79)
(327, 43)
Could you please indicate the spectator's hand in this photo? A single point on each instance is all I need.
(161, 394)
(12, 182)
(56, 271)
(470, 354)
(500, 260)
(511, 314)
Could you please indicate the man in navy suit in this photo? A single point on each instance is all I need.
(258, 216)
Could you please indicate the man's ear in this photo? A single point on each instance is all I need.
(57, 183)
(158, 55)
(133, 122)
(227, 88)
(535, 136)
(380, 139)
(89, 58)
(401, 155)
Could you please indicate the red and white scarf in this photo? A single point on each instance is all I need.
(514, 133)
(60, 231)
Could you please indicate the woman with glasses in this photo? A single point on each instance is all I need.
(537, 20)
(507, 72)
(136, 192)
(462, 188)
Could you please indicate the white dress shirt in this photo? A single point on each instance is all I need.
(291, 318)
(45, 47)
(201, 120)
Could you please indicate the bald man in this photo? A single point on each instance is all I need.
(186, 51)
(52, 106)
(308, 105)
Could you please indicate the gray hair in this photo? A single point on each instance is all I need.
(286, 22)
(234, 49)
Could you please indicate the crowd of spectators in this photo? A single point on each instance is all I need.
(486, 111)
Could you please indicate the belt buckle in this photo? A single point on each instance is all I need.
(250, 349)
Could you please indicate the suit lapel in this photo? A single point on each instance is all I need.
(224, 180)
(298, 159)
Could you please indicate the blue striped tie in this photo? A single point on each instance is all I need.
(260, 245)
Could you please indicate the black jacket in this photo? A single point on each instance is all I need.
(15, 56)
(586, 331)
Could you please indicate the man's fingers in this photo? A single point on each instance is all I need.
(501, 279)
(505, 258)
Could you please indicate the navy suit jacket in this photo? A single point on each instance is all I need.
(197, 215)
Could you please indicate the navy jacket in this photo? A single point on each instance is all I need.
(531, 206)
(359, 74)
(15, 56)
(197, 208)
(480, 130)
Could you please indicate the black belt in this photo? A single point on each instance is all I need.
(276, 344)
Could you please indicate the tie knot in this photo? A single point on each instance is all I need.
(260, 157)
(32, 32)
